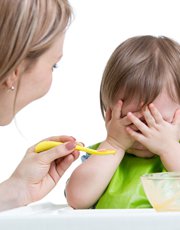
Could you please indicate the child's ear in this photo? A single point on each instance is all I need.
(108, 114)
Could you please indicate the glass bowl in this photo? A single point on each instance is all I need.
(163, 190)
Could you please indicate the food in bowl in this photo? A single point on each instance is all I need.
(163, 190)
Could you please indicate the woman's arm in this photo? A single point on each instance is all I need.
(12, 194)
(37, 174)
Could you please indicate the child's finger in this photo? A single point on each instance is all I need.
(138, 114)
(135, 135)
(116, 112)
(126, 121)
(148, 117)
(138, 123)
(155, 113)
(132, 126)
(176, 119)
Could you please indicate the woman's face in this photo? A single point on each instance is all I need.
(32, 84)
(36, 81)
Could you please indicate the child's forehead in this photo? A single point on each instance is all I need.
(162, 101)
(140, 96)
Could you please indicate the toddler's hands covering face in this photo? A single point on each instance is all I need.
(117, 135)
(158, 135)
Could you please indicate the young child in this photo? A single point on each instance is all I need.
(140, 100)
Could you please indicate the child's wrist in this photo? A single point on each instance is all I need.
(109, 144)
(171, 150)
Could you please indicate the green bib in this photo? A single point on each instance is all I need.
(125, 189)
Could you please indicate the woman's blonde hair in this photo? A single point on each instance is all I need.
(141, 67)
(28, 28)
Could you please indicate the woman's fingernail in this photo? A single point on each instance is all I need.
(73, 138)
(81, 144)
(70, 145)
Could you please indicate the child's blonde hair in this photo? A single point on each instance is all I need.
(141, 67)
(27, 30)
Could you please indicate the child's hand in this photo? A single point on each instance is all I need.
(158, 136)
(117, 136)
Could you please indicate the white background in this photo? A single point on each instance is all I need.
(72, 105)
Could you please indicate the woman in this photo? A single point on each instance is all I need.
(31, 42)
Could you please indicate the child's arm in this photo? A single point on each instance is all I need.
(159, 136)
(90, 179)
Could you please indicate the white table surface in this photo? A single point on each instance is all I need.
(46, 216)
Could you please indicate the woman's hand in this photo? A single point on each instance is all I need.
(37, 174)
(117, 135)
(157, 135)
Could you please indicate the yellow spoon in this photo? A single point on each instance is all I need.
(45, 145)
